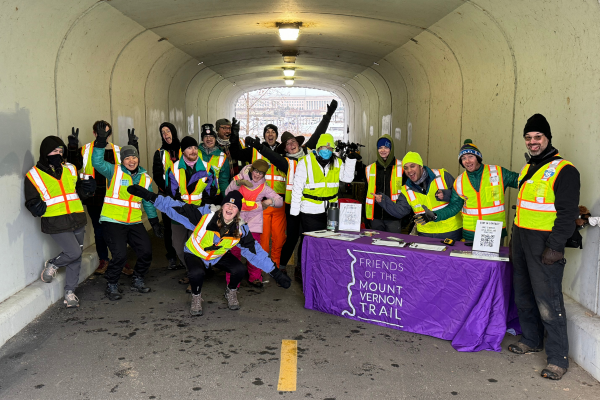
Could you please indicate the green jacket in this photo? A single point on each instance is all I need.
(224, 172)
(107, 169)
(511, 179)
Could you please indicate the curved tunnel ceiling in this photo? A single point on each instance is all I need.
(239, 39)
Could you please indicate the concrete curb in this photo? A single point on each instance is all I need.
(24, 306)
(584, 337)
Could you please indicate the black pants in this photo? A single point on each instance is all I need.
(228, 263)
(538, 296)
(293, 234)
(387, 225)
(310, 222)
(171, 254)
(117, 236)
(101, 247)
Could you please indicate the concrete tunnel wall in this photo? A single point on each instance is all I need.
(478, 73)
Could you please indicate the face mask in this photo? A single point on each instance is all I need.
(325, 154)
(55, 160)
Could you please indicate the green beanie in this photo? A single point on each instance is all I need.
(326, 140)
(412, 157)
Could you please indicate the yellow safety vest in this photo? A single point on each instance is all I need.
(216, 162)
(417, 200)
(535, 205)
(165, 157)
(488, 203)
(59, 195)
(318, 187)
(86, 151)
(292, 164)
(196, 196)
(395, 184)
(274, 177)
(202, 238)
(118, 203)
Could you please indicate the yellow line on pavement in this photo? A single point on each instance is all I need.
(289, 366)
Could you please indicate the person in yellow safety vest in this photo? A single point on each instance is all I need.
(216, 230)
(478, 193)
(425, 188)
(214, 158)
(81, 157)
(225, 129)
(383, 176)
(164, 158)
(547, 210)
(190, 182)
(53, 192)
(122, 215)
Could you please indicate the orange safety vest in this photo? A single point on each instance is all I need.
(249, 197)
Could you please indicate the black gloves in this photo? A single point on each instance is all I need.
(354, 156)
(428, 216)
(132, 139)
(36, 206)
(282, 279)
(331, 108)
(74, 138)
(550, 256)
(102, 134)
(156, 227)
(253, 142)
(86, 188)
(142, 192)
(235, 127)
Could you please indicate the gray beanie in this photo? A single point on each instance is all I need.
(129, 151)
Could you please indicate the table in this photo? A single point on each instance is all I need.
(467, 301)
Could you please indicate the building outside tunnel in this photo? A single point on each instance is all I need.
(430, 73)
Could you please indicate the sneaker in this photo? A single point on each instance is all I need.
(127, 270)
(232, 301)
(137, 285)
(173, 264)
(553, 372)
(113, 292)
(49, 272)
(70, 299)
(522, 348)
(102, 266)
(196, 307)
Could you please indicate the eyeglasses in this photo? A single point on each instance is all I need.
(259, 172)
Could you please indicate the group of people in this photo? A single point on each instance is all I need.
(226, 198)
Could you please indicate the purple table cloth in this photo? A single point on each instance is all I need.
(467, 301)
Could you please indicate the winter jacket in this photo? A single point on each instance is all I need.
(254, 218)
(224, 173)
(192, 175)
(61, 223)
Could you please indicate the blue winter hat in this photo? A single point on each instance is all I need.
(469, 148)
(384, 142)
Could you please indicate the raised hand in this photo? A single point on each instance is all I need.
(74, 137)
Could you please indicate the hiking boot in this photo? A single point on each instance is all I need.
(173, 264)
(137, 285)
(522, 348)
(49, 272)
(102, 266)
(232, 301)
(196, 307)
(127, 270)
(113, 292)
(553, 372)
(70, 299)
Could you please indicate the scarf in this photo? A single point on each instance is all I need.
(223, 142)
(297, 155)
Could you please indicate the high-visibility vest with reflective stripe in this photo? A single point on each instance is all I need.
(395, 184)
(274, 177)
(216, 162)
(319, 185)
(249, 197)
(488, 203)
(86, 152)
(417, 200)
(535, 205)
(292, 164)
(118, 203)
(59, 195)
(202, 238)
(191, 198)
(165, 157)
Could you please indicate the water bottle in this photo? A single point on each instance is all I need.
(333, 217)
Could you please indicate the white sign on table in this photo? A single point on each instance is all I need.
(350, 216)
(487, 236)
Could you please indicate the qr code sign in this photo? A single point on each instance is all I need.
(486, 240)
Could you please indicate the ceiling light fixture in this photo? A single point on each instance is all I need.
(289, 71)
(289, 81)
(289, 31)
(289, 57)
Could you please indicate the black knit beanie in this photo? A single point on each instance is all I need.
(188, 141)
(234, 197)
(271, 126)
(538, 123)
